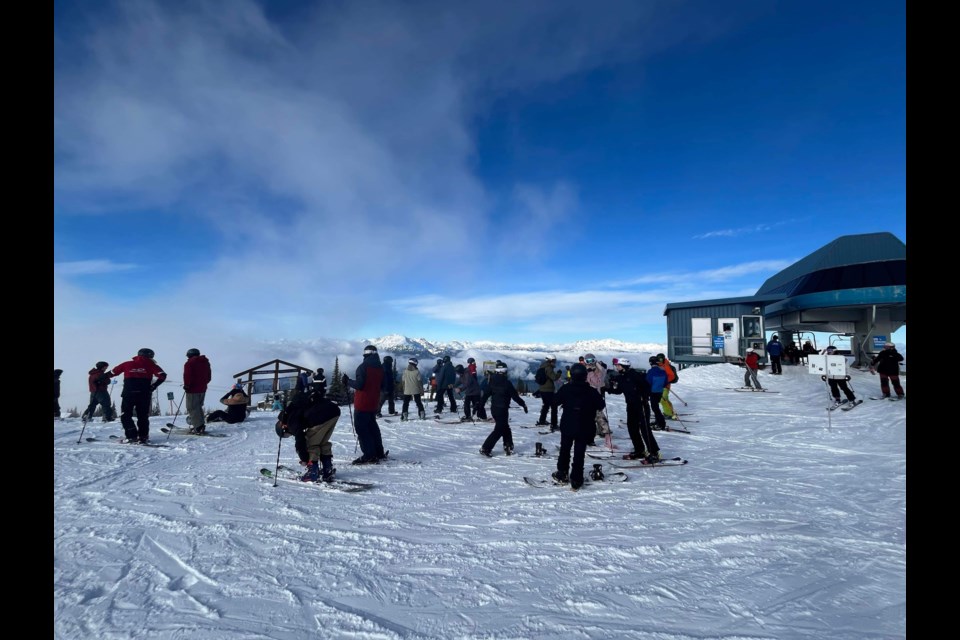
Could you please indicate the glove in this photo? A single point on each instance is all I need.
(525, 409)
(345, 379)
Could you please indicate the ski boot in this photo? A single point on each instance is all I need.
(597, 472)
(404, 416)
(312, 473)
(327, 473)
(422, 414)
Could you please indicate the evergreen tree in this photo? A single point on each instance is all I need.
(337, 392)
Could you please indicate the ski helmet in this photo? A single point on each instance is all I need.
(413, 361)
(551, 358)
(193, 352)
(750, 350)
(654, 360)
(589, 358)
(661, 357)
(146, 353)
(501, 368)
(281, 432)
(102, 365)
(369, 350)
(470, 361)
(458, 368)
(624, 362)
(57, 372)
(578, 373)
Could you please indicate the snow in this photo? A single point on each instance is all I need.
(788, 522)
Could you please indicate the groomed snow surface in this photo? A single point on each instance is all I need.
(786, 523)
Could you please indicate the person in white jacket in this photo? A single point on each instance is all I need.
(412, 383)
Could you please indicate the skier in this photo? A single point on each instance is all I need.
(387, 393)
(547, 379)
(667, 407)
(196, 377)
(236, 401)
(501, 391)
(838, 384)
(310, 419)
(138, 386)
(367, 380)
(56, 392)
(596, 378)
(469, 386)
(636, 392)
(320, 382)
(752, 364)
(412, 383)
(775, 351)
(98, 380)
(887, 364)
(657, 379)
(581, 404)
(446, 378)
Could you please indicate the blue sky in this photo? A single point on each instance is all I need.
(540, 171)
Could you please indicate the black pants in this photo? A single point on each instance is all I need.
(471, 405)
(101, 398)
(639, 427)
(387, 396)
(547, 398)
(775, 365)
(368, 434)
(136, 403)
(837, 385)
(501, 429)
(453, 400)
(406, 403)
(579, 444)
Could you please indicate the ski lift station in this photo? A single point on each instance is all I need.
(854, 288)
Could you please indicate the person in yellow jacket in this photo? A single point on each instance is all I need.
(665, 405)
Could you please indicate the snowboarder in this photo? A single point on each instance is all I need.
(501, 391)
(838, 384)
(581, 403)
(469, 386)
(887, 364)
(446, 378)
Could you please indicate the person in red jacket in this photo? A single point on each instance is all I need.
(752, 363)
(366, 400)
(138, 386)
(196, 377)
(98, 379)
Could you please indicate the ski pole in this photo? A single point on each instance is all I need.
(84, 427)
(275, 473)
(356, 436)
(678, 397)
(172, 425)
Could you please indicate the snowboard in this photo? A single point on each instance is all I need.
(186, 432)
(608, 478)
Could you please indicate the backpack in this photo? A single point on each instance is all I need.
(540, 376)
(672, 372)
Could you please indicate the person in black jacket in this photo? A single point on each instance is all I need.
(237, 401)
(469, 386)
(502, 391)
(635, 389)
(887, 364)
(387, 387)
(310, 418)
(578, 427)
(56, 392)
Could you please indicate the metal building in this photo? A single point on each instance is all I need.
(856, 287)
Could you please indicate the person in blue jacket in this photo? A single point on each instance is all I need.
(657, 378)
(775, 351)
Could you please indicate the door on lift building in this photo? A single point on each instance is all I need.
(753, 335)
(702, 332)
